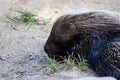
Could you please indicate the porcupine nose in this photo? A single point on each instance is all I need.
(46, 48)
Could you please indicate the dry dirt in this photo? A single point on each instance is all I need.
(21, 52)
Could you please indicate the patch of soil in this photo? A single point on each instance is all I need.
(21, 52)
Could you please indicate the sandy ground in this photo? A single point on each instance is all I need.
(21, 52)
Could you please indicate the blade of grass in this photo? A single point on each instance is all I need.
(82, 63)
(12, 19)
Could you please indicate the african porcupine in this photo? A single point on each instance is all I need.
(94, 35)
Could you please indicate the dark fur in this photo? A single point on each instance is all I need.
(94, 35)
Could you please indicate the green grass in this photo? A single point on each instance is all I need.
(51, 66)
(82, 63)
(27, 18)
(69, 62)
